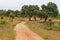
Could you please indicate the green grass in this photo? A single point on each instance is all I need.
(38, 27)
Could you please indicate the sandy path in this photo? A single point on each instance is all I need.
(24, 33)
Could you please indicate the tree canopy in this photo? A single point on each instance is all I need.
(49, 10)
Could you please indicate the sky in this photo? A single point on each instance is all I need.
(17, 4)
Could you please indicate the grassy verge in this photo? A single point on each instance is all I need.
(38, 27)
(7, 32)
(7, 29)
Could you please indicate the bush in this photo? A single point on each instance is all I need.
(3, 22)
(2, 17)
(49, 25)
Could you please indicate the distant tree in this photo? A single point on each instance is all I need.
(35, 11)
(12, 15)
(2, 12)
(44, 12)
(30, 12)
(44, 7)
(52, 9)
(41, 14)
(8, 12)
(24, 10)
(27, 11)
(17, 13)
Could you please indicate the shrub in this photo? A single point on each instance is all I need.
(3, 22)
(49, 25)
(2, 17)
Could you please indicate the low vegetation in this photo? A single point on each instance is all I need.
(48, 30)
(7, 29)
(52, 25)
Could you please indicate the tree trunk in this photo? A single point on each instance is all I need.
(45, 19)
(35, 18)
(29, 18)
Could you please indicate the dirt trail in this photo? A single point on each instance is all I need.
(24, 33)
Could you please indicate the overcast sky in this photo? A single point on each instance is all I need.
(17, 4)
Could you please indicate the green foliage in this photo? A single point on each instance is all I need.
(49, 10)
(24, 11)
(2, 24)
(17, 13)
(29, 11)
(49, 24)
(52, 9)
(12, 15)
(2, 12)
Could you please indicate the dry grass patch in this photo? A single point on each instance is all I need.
(7, 30)
(38, 27)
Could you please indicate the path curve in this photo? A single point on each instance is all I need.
(24, 33)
